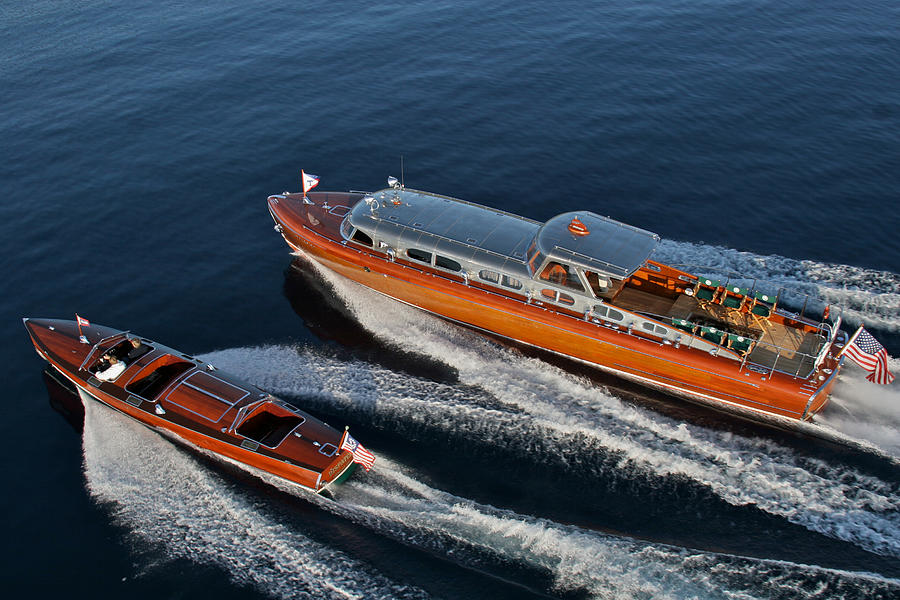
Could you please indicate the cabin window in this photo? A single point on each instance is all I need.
(606, 312)
(362, 238)
(557, 296)
(512, 282)
(653, 328)
(653, 267)
(536, 259)
(491, 276)
(446, 263)
(420, 255)
(562, 275)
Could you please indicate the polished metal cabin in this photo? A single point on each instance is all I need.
(503, 249)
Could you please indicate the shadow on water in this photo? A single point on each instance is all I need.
(596, 487)
(328, 318)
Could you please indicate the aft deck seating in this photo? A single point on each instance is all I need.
(734, 297)
(684, 325)
(713, 334)
(706, 289)
(739, 343)
(762, 309)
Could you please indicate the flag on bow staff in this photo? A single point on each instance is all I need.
(81, 322)
(867, 352)
(360, 454)
(309, 181)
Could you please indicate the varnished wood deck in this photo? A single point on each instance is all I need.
(789, 349)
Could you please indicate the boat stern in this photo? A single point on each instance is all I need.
(828, 366)
(337, 472)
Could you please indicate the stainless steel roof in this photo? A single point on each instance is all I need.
(611, 247)
(498, 239)
(407, 214)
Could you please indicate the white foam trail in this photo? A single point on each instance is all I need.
(397, 504)
(865, 411)
(164, 497)
(866, 295)
(835, 500)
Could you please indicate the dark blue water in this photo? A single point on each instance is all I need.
(139, 143)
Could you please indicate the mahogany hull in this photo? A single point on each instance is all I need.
(56, 341)
(314, 229)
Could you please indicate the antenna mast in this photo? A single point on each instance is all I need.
(401, 171)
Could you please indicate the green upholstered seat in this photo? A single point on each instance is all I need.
(732, 301)
(704, 292)
(712, 334)
(684, 325)
(739, 343)
(761, 309)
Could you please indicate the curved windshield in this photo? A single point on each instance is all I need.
(562, 275)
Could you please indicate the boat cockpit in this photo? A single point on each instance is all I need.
(121, 347)
(267, 422)
(150, 382)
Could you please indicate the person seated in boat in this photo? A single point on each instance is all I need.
(110, 368)
(137, 350)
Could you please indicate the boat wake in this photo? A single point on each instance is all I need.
(866, 295)
(860, 411)
(863, 411)
(580, 560)
(575, 418)
(166, 498)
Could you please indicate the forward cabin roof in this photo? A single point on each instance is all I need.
(498, 239)
(430, 221)
(609, 247)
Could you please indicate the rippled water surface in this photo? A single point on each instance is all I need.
(140, 143)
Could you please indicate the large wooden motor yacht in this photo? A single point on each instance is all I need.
(580, 285)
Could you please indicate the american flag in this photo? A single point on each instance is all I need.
(82, 322)
(865, 351)
(309, 181)
(360, 454)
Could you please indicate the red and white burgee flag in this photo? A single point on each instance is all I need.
(82, 322)
(309, 181)
(868, 353)
(360, 454)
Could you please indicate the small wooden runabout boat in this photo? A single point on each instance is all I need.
(580, 285)
(180, 395)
